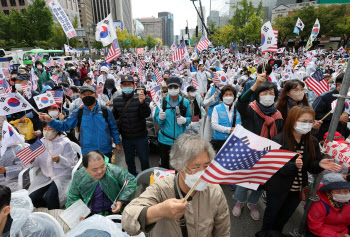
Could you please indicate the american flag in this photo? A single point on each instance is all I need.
(317, 82)
(58, 96)
(28, 154)
(203, 43)
(99, 90)
(39, 56)
(114, 51)
(216, 78)
(158, 76)
(27, 90)
(154, 91)
(68, 92)
(195, 82)
(307, 61)
(238, 163)
(6, 88)
(55, 78)
(180, 53)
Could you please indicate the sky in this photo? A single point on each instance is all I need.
(181, 9)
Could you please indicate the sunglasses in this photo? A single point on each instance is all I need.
(173, 87)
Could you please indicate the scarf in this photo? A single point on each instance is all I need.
(269, 120)
(267, 110)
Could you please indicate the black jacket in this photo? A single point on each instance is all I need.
(281, 182)
(252, 121)
(322, 105)
(133, 123)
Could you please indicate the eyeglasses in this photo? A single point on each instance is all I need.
(193, 171)
(173, 87)
(298, 91)
(164, 92)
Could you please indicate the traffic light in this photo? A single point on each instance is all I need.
(196, 31)
(186, 30)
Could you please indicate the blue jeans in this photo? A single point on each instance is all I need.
(241, 195)
(51, 197)
(139, 145)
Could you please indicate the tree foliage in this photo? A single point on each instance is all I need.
(151, 42)
(334, 21)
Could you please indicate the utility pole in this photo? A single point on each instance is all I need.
(200, 5)
(188, 33)
(200, 16)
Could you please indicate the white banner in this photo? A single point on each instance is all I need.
(62, 18)
(338, 151)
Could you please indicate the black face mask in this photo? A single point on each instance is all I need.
(89, 100)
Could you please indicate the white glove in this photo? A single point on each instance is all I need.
(162, 115)
(181, 120)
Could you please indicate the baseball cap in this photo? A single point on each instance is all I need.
(127, 78)
(87, 88)
(173, 80)
(337, 137)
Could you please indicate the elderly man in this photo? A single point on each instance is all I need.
(161, 205)
(99, 184)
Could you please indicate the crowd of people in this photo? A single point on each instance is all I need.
(192, 107)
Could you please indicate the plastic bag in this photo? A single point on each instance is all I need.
(96, 222)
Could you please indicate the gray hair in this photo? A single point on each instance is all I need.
(186, 147)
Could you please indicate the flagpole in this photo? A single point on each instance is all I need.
(28, 103)
(191, 190)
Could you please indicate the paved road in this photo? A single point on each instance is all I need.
(243, 226)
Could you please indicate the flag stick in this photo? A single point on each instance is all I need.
(326, 115)
(28, 103)
(191, 190)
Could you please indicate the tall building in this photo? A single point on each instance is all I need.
(217, 19)
(284, 7)
(169, 22)
(86, 16)
(267, 5)
(154, 27)
(120, 9)
(8, 5)
(70, 7)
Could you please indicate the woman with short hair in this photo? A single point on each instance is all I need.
(159, 208)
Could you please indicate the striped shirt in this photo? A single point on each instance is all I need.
(298, 180)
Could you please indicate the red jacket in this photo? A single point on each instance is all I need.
(332, 225)
(83, 73)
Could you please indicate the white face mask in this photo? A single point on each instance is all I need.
(18, 87)
(297, 97)
(173, 92)
(193, 94)
(341, 197)
(228, 100)
(49, 135)
(267, 100)
(191, 179)
(14, 75)
(40, 67)
(53, 114)
(303, 128)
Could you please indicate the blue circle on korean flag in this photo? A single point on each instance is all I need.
(44, 100)
(13, 102)
(223, 79)
(104, 32)
(262, 39)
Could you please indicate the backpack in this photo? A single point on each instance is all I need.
(80, 115)
(182, 108)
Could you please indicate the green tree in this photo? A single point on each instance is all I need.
(196, 39)
(123, 35)
(18, 30)
(224, 35)
(150, 42)
(39, 20)
(73, 42)
(97, 45)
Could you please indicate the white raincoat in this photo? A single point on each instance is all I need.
(61, 172)
(13, 166)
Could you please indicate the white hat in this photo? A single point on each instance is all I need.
(104, 69)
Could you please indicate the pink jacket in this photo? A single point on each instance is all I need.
(324, 220)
